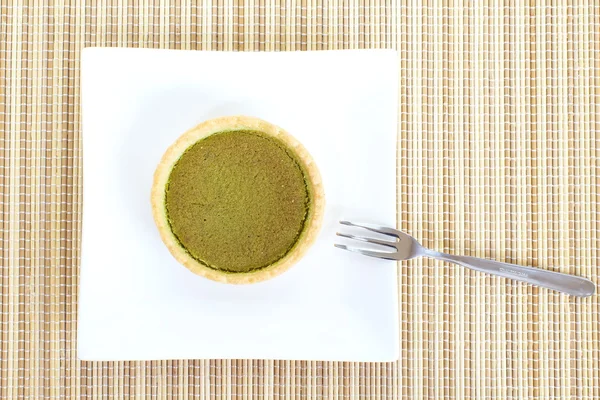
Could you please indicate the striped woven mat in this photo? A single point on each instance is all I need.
(497, 157)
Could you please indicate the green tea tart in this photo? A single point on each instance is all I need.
(237, 200)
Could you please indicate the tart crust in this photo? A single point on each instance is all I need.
(172, 155)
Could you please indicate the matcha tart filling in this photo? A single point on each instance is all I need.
(237, 200)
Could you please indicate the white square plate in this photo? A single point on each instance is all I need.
(137, 303)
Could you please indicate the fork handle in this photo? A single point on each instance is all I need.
(570, 284)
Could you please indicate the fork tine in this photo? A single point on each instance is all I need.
(368, 240)
(374, 228)
(376, 254)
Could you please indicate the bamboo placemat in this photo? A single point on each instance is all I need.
(499, 129)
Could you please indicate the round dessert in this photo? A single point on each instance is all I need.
(237, 200)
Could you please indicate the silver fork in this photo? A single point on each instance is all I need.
(405, 247)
